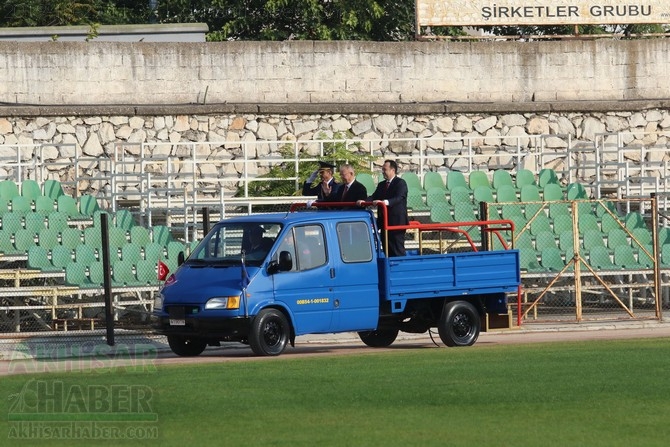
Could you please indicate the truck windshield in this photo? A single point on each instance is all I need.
(226, 243)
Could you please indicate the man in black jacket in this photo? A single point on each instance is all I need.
(393, 192)
(325, 187)
(350, 190)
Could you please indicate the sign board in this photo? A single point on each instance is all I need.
(540, 12)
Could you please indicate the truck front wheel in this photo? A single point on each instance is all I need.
(269, 332)
(459, 324)
(186, 346)
(379, 338)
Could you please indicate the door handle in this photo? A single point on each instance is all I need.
(332, 272)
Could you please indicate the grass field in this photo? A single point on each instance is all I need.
(597, 393)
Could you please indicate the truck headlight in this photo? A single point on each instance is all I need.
(223, 302)
(158, 302)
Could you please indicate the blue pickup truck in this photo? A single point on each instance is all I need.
(265, 279)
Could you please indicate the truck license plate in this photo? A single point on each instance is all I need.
(177, 322)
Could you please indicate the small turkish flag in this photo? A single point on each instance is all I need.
(163, 270)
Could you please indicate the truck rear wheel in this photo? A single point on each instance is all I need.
(380, 338)
(186, 346)
(459, 324)
(269, 332)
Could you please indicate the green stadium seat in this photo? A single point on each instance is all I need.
(75, 275)
(48, 238)
(68, 206)
(530, 193)
(483, 193)
(8, 190)
(576, 191)
(173, 249)
(88, 205)
(367, 181)
(11, 222)
(478, 178)
(38, 259)
(53, 189)
(435, 196)
(506, 193)
(539, 224)
(35, 222)
(528, 261)
(432, 179)
(123, 274)
(30, 189)
(413, 181)
(599, 258)
(85, 254)
(525, 177)
(4, 207)
(587, 222)
(545, 239)
(161, 234)
(141, 236)
(562, 224)
(23, 240)
(634, 220)
(57, 221)
(124, 219)
(609, 222)
(616, 237)
(464, 212)
(154, 251)
(147, 273)
(93, 237)
(551, 259)
(566, 241)
(624, 257)
(414, 202)
(502, 177)
(96, 274)
(642, 236)
(552, 193)
(547, 176)
(593, 238)
(44, 205)
(459, 194)
(21, 205)
(61, 256)
(441, 213)
(456, 179)
(131, 252)
(71, 237)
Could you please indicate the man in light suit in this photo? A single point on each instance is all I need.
(393, 192)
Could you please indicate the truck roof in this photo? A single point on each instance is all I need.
(302, 216)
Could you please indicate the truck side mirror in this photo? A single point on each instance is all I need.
(285, 261)
(284, 265)
(180, 258)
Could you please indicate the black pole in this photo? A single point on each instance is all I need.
(107, 284)
(484, 215)
(205, 220)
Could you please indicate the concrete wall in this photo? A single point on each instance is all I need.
(306, 72)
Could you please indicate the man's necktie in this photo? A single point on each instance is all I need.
(346, 190)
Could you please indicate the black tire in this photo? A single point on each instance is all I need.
(186, 346)
(460, 324)
(380, 338)
(270, 332)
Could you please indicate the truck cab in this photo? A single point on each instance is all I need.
(265, 279)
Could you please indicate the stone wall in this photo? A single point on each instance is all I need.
(94, 136)
(340, 72)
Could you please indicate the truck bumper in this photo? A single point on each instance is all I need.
(222, 329)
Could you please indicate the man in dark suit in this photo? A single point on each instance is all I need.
(350, 189)
(393, 192)
(325, 187)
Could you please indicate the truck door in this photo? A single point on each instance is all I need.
(356, 281)
(307, 288)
